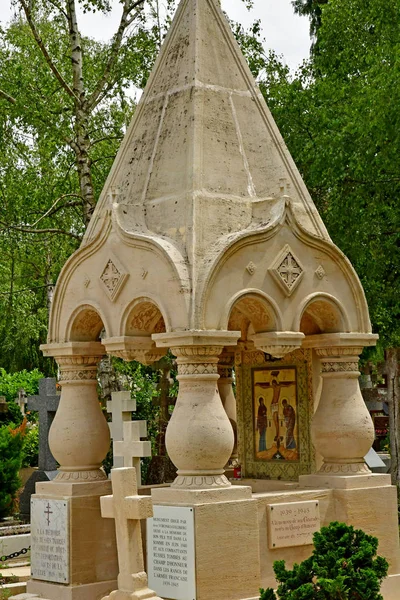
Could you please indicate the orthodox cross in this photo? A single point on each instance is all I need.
(46, 403)
(128, 508)
(121, 408)
(132, 449)
(48, 512)
(289, 270)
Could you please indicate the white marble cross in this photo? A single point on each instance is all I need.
(121, 408)
(132, 449)
(128, 508)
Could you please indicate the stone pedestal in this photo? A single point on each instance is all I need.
(79, 440)
(368, 502)
(93, 564)
(226, 539)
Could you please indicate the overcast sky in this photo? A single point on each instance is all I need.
(284, 31)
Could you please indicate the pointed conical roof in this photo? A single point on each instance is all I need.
(202, 158)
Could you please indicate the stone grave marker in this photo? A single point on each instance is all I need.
(131, 449)
(128, 508)
(121, 408)
(171, 552)
(3, 404)
(50, 540)
(21, 401)
(46, 403)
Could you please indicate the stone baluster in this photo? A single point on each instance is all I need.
(342, 429)
(225, 388)
(199, 436)
(79, 436)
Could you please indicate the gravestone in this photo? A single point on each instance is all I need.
(121, 408)
(21, 400)
(50, 540)
(131, 449)
(128, 508)
(3, 404)
(46, 403)
(171, 552)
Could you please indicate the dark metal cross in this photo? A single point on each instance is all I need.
(46, 403)
(48, 512)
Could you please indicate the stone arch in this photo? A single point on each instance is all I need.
(321, 313)
(143, 316)
(251, 308)
(86, 324)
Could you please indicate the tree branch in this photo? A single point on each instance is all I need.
(51, 209)
(37, 287)
(7, 97)
(116, 45)
(49, 230)
(39, 41)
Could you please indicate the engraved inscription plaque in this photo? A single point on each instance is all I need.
(292, 524)
(50, 540)
(171, 553)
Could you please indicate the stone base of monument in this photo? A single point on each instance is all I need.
(368, 502)
(217, 535)
(38, 476)
(390, 588)
(77, 560)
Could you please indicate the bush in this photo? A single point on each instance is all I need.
(13, 415)
(30, 449)
(343, 566)
(11, 442)
(11, 383)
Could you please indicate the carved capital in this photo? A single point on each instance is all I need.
(339, 352)
(140, 348)
(197, 360)
(278, 344)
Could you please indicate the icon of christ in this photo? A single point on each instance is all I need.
(277, 387)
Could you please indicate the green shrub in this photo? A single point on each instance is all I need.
(13, 415)
(30, 449)
(343, 566)
(11, 383)
(11, 442)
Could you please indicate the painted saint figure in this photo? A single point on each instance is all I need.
(262, 425)
(290, 422)
(276, 387)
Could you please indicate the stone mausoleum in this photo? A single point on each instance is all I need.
(206, 242)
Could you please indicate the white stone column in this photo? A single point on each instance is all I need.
(199, 435)
(342, 429)
(79, 437)
(225, 388)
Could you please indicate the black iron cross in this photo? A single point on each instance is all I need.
(46, 403)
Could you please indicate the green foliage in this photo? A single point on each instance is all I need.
(343, 566)
(268, 594)
(311, 9)
(11, 443)
(337, 118)
(11, 383)
(13, 415)
(30, 449)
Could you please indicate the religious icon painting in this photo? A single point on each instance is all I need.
(276, 435)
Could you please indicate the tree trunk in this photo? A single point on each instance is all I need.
(81, 144)
(392, 368)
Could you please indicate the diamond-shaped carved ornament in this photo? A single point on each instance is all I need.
(287, 270)
(113, 278)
